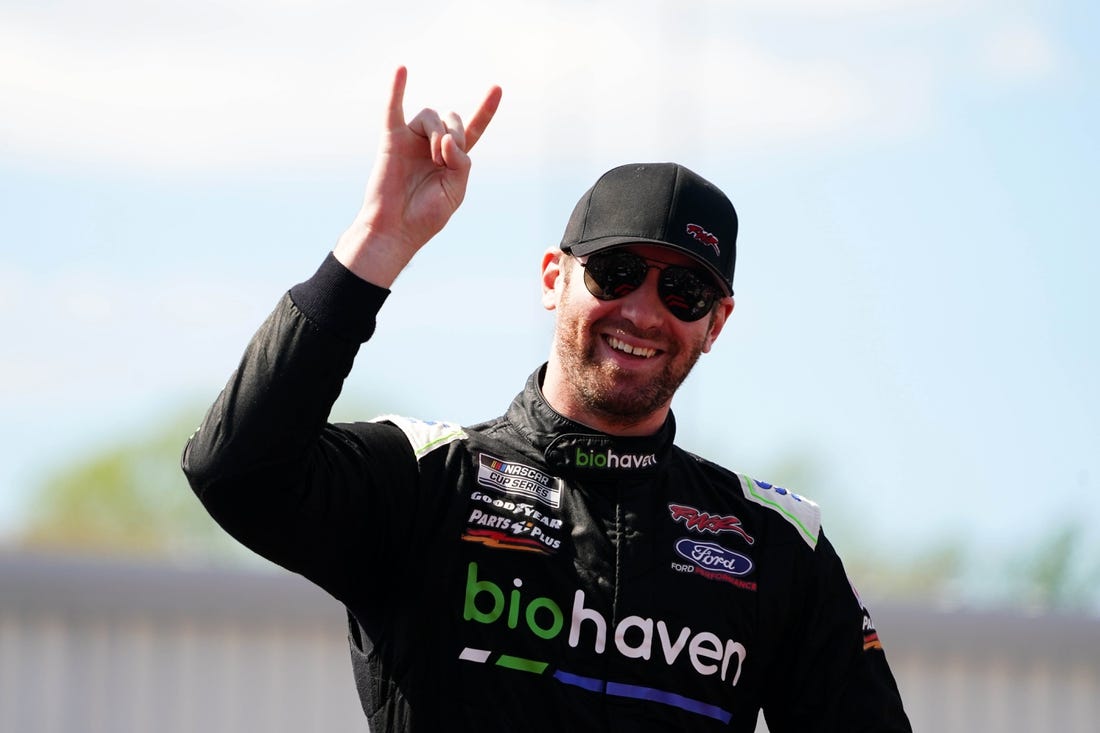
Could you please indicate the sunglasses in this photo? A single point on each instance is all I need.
(687, 292)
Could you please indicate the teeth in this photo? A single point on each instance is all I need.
(632, 350)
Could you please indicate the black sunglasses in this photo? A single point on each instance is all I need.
(687, 292)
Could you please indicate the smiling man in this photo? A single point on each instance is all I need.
(565, 566)
(657, 289)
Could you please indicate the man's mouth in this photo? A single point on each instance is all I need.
(639, 351)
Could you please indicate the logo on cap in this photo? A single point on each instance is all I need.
(703, 236)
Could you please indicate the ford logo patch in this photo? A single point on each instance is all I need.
(710, 556)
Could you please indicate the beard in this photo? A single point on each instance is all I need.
(619, 396)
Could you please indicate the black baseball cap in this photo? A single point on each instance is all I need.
(657, 203)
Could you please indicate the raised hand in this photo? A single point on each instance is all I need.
(418, 181)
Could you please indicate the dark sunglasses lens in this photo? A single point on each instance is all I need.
(614, 274)
(685, 293)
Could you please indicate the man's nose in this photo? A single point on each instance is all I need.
(643, 306)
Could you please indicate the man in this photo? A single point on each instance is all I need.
(564, 566)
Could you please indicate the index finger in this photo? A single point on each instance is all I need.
(483, 116)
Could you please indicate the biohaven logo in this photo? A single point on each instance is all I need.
(516, 478)
(610, 459)
(634, 637)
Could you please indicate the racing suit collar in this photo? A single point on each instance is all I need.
(571, 448)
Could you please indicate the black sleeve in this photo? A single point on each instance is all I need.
(836, 675)
(269, 468)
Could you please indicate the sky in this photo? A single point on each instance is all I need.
(915, 179)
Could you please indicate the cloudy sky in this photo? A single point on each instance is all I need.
(916, 179)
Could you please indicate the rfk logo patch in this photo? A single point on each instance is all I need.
(699, 521)
(702, 236)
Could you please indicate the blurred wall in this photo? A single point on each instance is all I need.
(119, 647)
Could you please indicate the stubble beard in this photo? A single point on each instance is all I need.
(602, 387)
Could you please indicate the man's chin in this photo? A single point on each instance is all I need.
(625, 399)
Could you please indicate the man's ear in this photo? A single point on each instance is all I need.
(721, 315)
(553, 277)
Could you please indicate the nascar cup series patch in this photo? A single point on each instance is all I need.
(518, 479)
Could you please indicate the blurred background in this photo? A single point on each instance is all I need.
(914, 345)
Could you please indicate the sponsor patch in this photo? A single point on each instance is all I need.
(519, 479)
(801, 512)
(699, 521)
(424, 435)
(713, 562)
(713, 557)
(704, 237)
(609, 459)
(651, 641)
(508, 525)
(870, 634)
(501, 540)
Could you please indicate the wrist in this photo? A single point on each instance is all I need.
(373, 257)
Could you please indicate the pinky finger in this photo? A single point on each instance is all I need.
(483, 116)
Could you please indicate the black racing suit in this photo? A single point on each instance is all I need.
(529, 573)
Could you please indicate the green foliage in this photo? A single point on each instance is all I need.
(932, 575)
(1059, 573)
(129, 499)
